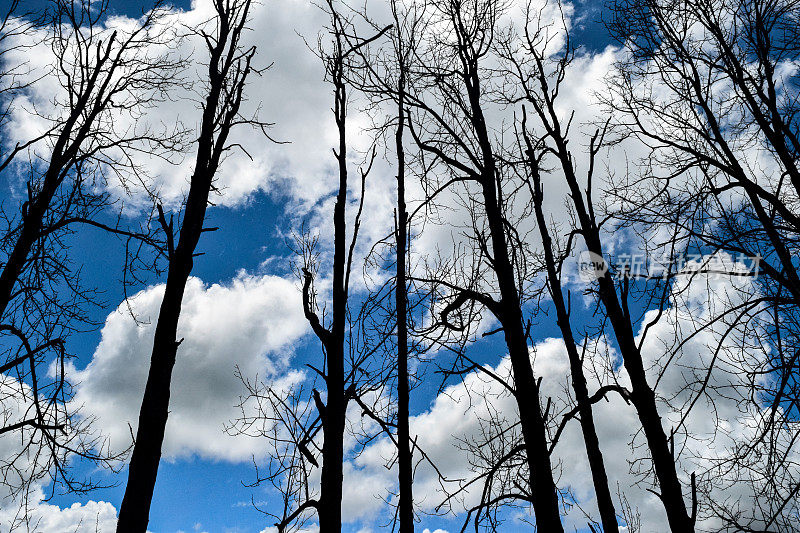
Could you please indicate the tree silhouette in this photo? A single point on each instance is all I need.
(229, 65)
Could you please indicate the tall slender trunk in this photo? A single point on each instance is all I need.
(642, 395)
(73, 134)
(534, 430)
(228, 69)
(605, 504)
(644, 400)
(64, 151)
(135, 509)
(406, 511)
(32, 220)
(330, 502)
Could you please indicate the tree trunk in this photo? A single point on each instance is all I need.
(644, 400)
(330, 502)
(534, 431)
(63, 152)
(29, 233)
(135, 509)
(605, 504)
(405, 475)
(227, 73)
(642, 395)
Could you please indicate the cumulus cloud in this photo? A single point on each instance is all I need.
(250, 323)
(90, 517)
(292, 94)
(295, 97)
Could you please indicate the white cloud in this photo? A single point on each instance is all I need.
(292, 94)
(21, 493)
(251, 322)
(91, 517)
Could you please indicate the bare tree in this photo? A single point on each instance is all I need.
(705, 87)
(381, 75)
(100, 73)
(340, 386)
(295, 420)
(229, 65)
(402, 43)
(539, 86)
(447, 100)
(14, 77)
(105, 80)
(554, 262)
(405, 470)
